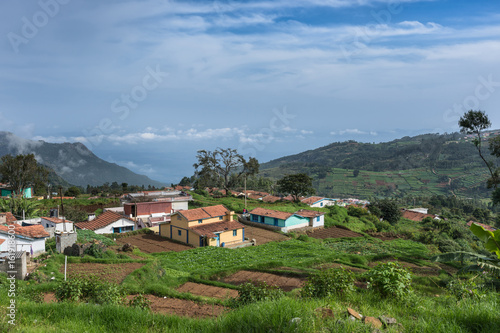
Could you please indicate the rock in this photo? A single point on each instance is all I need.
(353, 313)
(127, 247)
(373, 322)
(388, 320)
(325, 312)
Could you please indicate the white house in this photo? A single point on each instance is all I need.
(57, 223)
(108, 223)
(29, 239)
(318, 202)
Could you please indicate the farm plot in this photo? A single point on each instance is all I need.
(432, 270)
(333, 232)
(149, 243)
(108, 272)
(182, 307)
(209, 291)
(283, 282)
(263, 236)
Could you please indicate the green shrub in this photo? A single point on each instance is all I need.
(390, 280)
(255, 292)
(95, 251)
(141, 302)
(89, 289)
(465, 289)
(339, 282)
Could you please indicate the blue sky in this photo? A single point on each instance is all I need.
(145, 84)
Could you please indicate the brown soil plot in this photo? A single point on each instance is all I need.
(181, 307)
(333, 232)
(283, 282)
(150, 243)
(263, 236)
(109, 272)
(208, 291)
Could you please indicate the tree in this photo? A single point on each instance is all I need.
(386, 209)
(474, 122)
(296, 185)
(73, 191)
(355, 173)
(21, 172)
(223, 167)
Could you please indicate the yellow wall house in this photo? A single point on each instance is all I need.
(206, 226)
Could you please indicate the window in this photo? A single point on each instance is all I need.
(317, 219)
(321, 204)
(220, 218)
(235, 232)
(200, 221)
(179, 232)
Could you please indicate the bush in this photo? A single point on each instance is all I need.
(339, 282)
(251, 293)
(465, 289)
(390, 280)
(89, 289)
(141, 302)
(95, 250)
(383, 226)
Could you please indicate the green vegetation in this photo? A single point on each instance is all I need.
(390, 280)
(332, 282)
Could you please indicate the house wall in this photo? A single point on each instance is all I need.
(179, 205)
(210, 220)
(24, 244)
(120, 223)
(19, 265)
(66, 226)
(296, 221)
(147, 208)
(315, 223)
(64, 240)
(323, 203)
(267, 220)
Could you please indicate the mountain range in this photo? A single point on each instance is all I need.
(72, 163)
(429, 164)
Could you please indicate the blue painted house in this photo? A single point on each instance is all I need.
(7, 192)
(287, 221)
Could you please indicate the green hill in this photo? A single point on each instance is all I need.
(421, 165)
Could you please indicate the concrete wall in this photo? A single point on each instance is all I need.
(64, 240)
(18, 259)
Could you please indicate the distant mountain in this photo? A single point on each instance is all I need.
(445, 164)
(73, 162)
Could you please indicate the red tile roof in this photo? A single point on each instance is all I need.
(486, 227)
(311, 200)
(9, 217)
(204, 212)
(271, 198)
(56, 220)
(414, 216)
(1, 241)
(308, 213)
(33, 231)
(254, 196)
(270, 213)
(101, 221)
(210, 229)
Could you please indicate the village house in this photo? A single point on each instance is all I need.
(287, 221)
(6, 191)
(318, 202)
(206, 226)
(30, 239)
(57, 224)
(108, 223)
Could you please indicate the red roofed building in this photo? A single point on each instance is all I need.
(7, 218)
(415, 216)
(206, 226)
(108, 223)
(485, 226)
(29, 239)
(61, 225)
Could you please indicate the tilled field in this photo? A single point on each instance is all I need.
(182, 307)
(420, 270)
(108, 272)
(209, 291)
(333, 232)
(263, 236)
(150, 243)
(283, 282)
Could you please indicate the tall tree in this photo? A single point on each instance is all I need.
(223, 167)
(475, 122)
(21, 172)
(296, 185)
(386, 209)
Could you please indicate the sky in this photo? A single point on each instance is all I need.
(146, 84)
